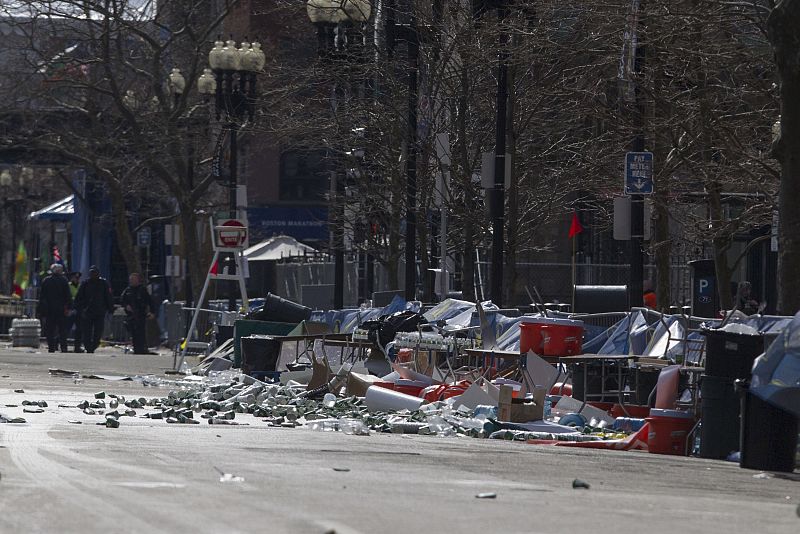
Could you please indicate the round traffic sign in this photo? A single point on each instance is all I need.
(232, 238)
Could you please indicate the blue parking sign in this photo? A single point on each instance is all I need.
(638, 173)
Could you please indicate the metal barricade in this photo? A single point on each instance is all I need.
(12, 308)
(206, 321)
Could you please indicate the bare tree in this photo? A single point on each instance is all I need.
(125, 124)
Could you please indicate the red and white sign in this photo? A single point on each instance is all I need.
(236, 237)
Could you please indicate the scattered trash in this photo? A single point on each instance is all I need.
(227, 477)
(19, 391)
(219, 421)
(75, 422)
(100, 395)
(580, 484)
(62, 372)
(5, 419)
(33, 410)
(342, 469)
(488, 495)
(112, 422)
(762, 476)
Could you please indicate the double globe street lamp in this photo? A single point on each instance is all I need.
(232, 81)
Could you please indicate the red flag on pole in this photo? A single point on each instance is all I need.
(575, 227)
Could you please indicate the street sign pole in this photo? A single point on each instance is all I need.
(638, 183)
(636, 289)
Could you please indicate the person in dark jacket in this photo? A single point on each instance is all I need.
(74, 319)
(55, 301)
(136, 301)
(93, 302)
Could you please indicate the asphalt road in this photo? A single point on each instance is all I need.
(149, 476)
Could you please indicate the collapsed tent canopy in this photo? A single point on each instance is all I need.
(278, 248)
(62, 211)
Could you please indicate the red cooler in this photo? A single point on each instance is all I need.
(669, 430)
(551, 336)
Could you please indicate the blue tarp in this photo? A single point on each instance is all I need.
(346, 321)
(617, 340)
(776, 373)
(448, 309)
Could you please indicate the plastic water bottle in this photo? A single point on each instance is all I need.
(696, 448)
(354, 427)
(329, 400)
(325, 425)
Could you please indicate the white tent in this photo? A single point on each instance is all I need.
(277, 248)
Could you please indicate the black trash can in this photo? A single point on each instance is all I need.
(719, 435)
(280, 310)
(259, 354)
(731, 355)
(768, 434)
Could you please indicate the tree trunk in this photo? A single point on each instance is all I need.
(663, 251)
(720, 244)
(194, 256)
(468, 263)
(393, 254)
(784, 34)
(125, 242)
(464, 180)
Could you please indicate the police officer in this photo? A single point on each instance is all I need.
(55, 301)
(136, 301)
(94, 301)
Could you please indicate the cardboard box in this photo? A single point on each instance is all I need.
(357, 383)
(515, 411)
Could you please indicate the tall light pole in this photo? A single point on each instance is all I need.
(333, 18)
(235, 71)
(497, 204)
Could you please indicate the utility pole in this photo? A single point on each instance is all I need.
(234, 168)
(411, 162)
(408, 33)
(636, 283)
(497, 203)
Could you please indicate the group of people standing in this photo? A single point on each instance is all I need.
(64, 304)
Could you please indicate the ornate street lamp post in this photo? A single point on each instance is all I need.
(234, 73)
(333, 19)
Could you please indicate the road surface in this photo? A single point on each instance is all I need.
(150, 476)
